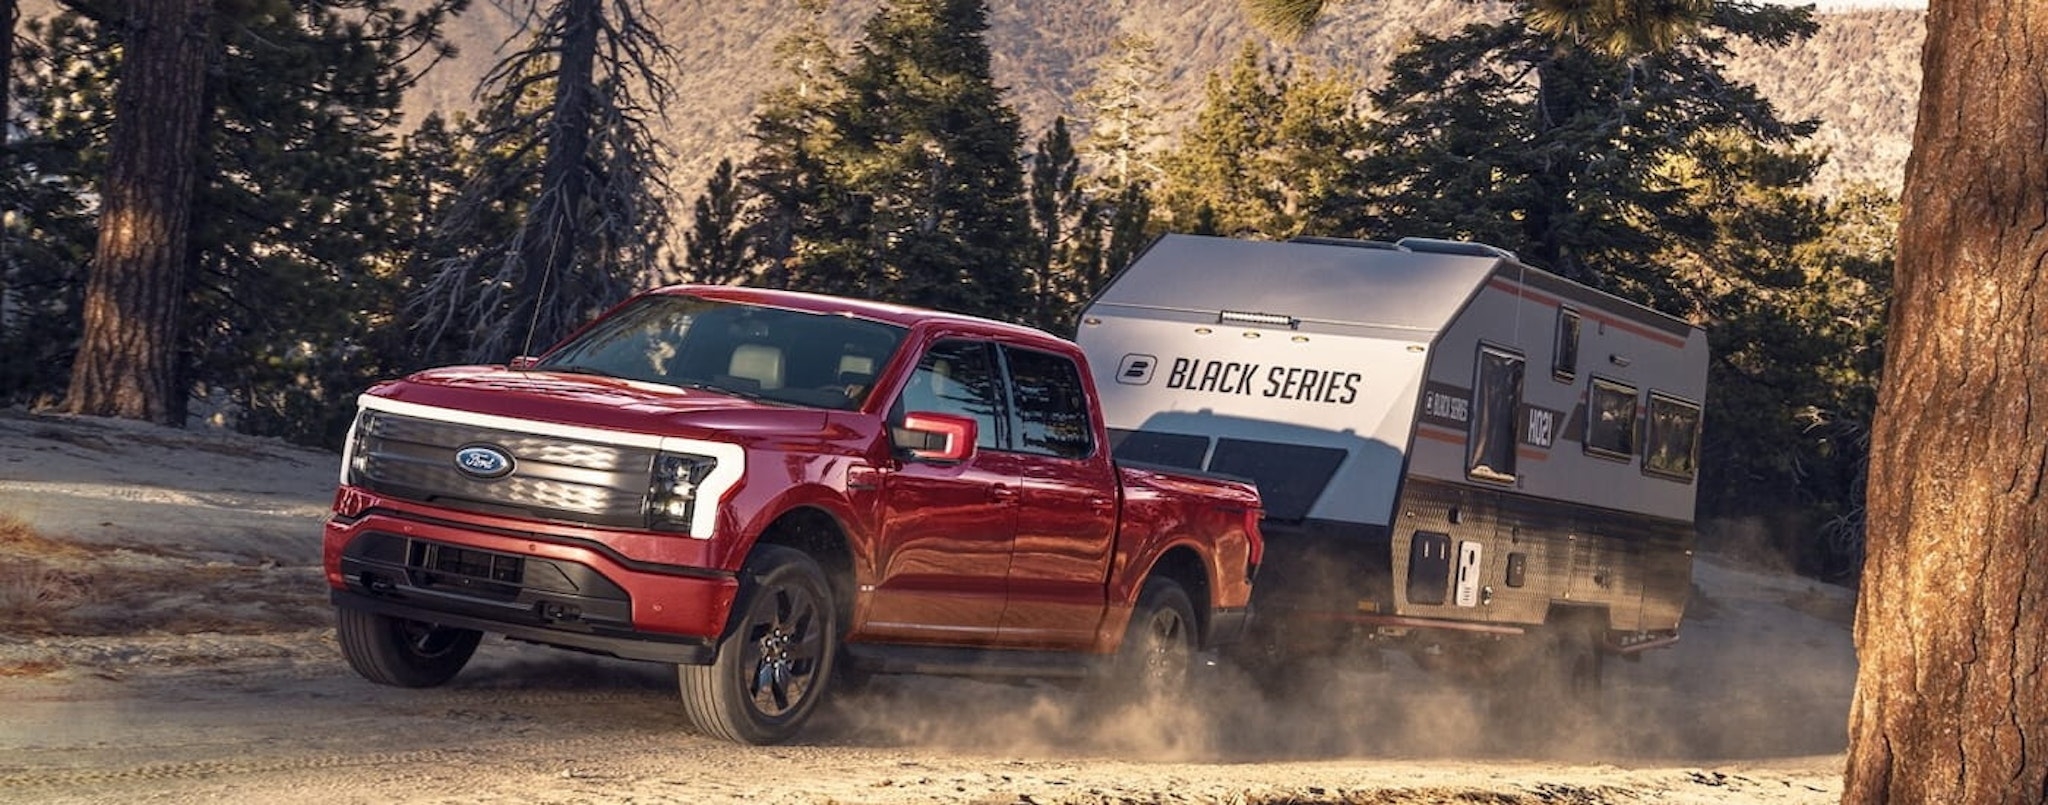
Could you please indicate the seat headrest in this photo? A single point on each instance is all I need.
(760, 363)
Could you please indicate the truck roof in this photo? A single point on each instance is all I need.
(887, 313)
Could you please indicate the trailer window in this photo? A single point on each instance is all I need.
(1491, 448)
(1290, 477)
(1672, 446)
(1167, 449)
(1050, 405)
(1564, 355)
(1611, 419)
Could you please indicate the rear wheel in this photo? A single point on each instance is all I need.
(775, 661)
(405, 653)
(1159, 645)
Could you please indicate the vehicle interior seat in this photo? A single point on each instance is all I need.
(760, 363)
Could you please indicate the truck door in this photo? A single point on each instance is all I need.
(943, 558)
(1067, 519)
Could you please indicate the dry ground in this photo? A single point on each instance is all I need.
(164, 637)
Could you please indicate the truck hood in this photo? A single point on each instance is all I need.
(599, 402)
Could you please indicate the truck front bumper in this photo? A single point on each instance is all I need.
(563, 589)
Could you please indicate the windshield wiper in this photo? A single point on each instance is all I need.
(698, 385)
(572, 369)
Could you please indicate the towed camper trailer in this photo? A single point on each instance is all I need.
(1460, 455)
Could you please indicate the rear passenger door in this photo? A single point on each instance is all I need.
(1067, 515)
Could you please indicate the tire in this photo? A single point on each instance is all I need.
(1159, 645)
(776, 659)
(403, 653)
(1580, 665)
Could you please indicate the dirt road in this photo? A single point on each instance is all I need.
(163, 638)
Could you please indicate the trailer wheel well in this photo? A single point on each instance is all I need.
(1185, 567)
(1577, 616)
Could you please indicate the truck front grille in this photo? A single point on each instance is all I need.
(549, 478)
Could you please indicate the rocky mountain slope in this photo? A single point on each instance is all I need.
(1859, 74)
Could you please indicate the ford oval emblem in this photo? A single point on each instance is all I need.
(483, 461)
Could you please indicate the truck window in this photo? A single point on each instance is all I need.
(1611, 419)
(957, 377)
(785, 356)
(1490, 448)
(1672, 444)
(1049, 405)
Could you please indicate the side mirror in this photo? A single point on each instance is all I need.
(935, 437)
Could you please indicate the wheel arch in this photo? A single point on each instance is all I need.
(820, 535)
(1185, 566)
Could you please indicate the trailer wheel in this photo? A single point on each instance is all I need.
(1159, 645)
(775, 662)
(1579, 664)
(402, 653)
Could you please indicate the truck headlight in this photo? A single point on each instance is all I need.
(358, 465)
(672, 489)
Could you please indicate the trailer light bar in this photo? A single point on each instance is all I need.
(1241, 317)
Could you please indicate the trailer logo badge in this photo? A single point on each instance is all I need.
(1135, 369)
(483, 461)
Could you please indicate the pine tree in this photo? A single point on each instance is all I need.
(911, 165)
(1952, 616)
(1272, 153)
(565, 136)
(135, 296)
(1123, 111)
(716, 249)
(1517, 135)
(1602, 141)
(783, 185)
(1067, 232)
(287, 257)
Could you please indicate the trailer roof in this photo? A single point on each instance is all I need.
(1411, 290)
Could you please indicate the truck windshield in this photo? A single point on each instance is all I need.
(788, 356)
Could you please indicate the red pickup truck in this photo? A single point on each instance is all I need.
(776, 492)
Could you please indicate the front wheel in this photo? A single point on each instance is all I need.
(400, 652)
(776, 659)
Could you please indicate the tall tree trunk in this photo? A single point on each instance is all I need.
(555, 223)
(126, 364)
(10, 13)
(1952, 631)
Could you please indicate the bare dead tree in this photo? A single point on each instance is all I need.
(566, 147)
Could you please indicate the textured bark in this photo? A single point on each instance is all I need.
(10, 13)
(1951, 704)
(126, 361)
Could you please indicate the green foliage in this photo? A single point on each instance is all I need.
(1508, 135)
(717, 249)
(1123, 111)
(1272, 153)
(1603, 141)
(291, 268)
(898, 176)
(1067, 233)
(48, 232)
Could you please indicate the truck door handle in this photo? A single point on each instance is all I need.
(1001, 493)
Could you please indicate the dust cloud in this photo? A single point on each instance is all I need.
(1764, 669)
(1761, 672)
